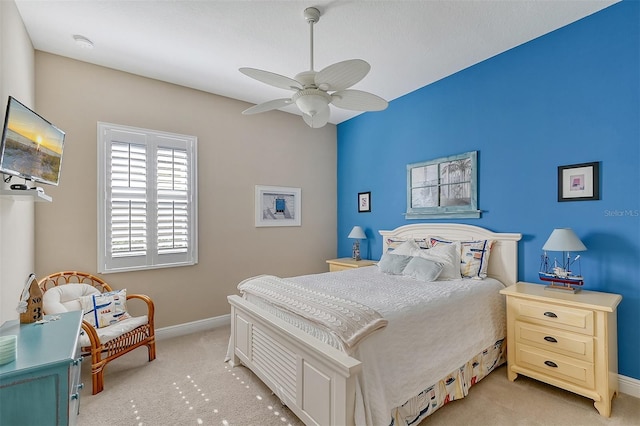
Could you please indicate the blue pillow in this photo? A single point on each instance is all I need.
(393, 263)
(423, 269)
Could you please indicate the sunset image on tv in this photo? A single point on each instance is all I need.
(32, 146)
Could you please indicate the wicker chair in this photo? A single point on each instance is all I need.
(103, 353)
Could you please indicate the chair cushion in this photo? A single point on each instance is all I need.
(116, 330)
(65, 298)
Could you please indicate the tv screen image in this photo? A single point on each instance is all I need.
(31, 146)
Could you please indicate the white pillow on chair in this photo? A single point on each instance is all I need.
(65, 298)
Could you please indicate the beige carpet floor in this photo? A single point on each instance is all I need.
(189, 384)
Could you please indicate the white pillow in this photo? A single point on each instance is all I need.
(66, 298)
(448, 255)
(408, 248)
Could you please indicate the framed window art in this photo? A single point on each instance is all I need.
(443, 188)
(579, 182)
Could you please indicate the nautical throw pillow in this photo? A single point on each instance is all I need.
(102, 310)
(474, 258)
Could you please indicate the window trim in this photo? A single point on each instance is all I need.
(153, 140)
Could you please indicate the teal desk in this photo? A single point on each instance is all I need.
(42, 386)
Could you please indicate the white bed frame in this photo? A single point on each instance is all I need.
(315, 380)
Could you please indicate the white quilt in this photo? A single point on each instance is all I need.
(433, 328)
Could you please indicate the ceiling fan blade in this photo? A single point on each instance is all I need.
(319, 119)
(357, 100)
(271, 78)
(342, 75)
(267, 106)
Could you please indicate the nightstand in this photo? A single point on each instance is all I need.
(347, 263)
(566, 340)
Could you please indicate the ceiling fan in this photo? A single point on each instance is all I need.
(315, 90)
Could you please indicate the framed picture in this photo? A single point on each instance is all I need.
(364, 202)
(445, 187)
(277, 206)
(579, 182)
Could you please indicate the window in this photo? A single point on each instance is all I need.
(147, 203)
(443, 188)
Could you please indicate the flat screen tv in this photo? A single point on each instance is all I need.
(31, 147)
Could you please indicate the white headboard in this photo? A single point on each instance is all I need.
(503, 262)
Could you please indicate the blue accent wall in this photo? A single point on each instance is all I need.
(571, 96)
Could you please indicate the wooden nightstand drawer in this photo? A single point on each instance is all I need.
(556, 366)
(564, 317)
(574, 345)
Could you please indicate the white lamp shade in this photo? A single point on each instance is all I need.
(563, 239)
(311, 104)
(357, 233)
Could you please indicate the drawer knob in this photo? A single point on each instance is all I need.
(80, 386)
(550, 315)
(75, 396)
(550, 339)
(551, 364)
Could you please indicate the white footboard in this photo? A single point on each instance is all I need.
(315, 380)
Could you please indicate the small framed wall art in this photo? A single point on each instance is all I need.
(277, 206)
(364, 202)
(579, 182)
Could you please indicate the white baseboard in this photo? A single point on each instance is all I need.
(629, 385)
(192, 327)
(626, 385)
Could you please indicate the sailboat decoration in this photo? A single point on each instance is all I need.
(561, 274)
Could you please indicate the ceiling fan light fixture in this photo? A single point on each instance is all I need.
(311, 101)
(312, 88)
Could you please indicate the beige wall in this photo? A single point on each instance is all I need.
(16, 216)
(235, 153)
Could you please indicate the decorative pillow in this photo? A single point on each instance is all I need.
(448, 255)
(423, 269)
(405, 248)
(474, 258)
(391, 263)
(394, 244)
(104, 309)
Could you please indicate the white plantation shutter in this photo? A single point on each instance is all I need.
(147, 216)
(173, 191)
(128, 236)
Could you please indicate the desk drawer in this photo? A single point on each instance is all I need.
(566, 318)
(556, 366)
(573, 345)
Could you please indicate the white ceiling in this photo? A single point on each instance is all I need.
(201, 44)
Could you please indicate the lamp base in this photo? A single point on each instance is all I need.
(355, 253)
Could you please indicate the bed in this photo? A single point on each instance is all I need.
(382, 380)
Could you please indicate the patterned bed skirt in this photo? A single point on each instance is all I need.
(454, 386)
